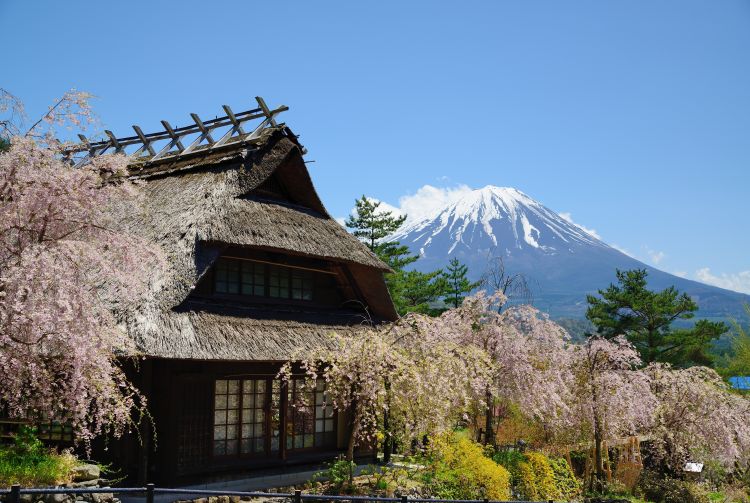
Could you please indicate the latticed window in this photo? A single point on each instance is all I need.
(278, 281)
(257, 279)
(248, 416)
(324, 425)
(253, 418)
(253, 278)
(302, 285)
(300, 416)
(228, 276)
(310, 419)
(239, 417)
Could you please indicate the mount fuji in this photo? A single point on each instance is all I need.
(562, 261)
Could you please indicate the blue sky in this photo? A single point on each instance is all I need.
(631, 116)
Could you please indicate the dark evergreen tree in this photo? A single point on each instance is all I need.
(372, 224)
(417, 292)
(456, 283)
(645, 317)
(411, 291)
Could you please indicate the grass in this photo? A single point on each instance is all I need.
(48, 469)
(28, 463)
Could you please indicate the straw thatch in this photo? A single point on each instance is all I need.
(190, 208)
(198, 334)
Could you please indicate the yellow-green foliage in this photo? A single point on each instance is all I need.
(28, 463)
(568, 486)
(460, 470)
(536, 479)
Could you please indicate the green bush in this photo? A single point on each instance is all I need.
(459, 469)
(568, 486)
(668, 490)
(509, 459)
(27, 462)
(338, 473)
(536, 477)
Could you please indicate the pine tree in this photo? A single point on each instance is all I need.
(645, 317)
(411, 291)
(456, 283)
(371, 224)
(739, 361)
(416, 292)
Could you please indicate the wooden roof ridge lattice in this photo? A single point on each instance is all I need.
(234, 128)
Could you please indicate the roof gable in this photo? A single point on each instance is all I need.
(261, 198)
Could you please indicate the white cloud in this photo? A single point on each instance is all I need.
(739, 281)
(428, 198)
(567, 216)
(386, 207)
(656, 256)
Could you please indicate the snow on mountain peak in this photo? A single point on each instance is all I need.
(494, 218)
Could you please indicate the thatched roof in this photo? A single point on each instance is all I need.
(203, 333)
(210, 200)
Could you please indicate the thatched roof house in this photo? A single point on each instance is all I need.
(257, 269)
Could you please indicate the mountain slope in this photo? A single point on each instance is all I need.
(562, 261)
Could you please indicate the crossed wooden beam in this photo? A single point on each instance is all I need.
(175, 147)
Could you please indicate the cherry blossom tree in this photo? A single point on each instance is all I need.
(529, 354)
(697, 418)
(423, 384)
(71, 111)
(612, 399)
(66, 273)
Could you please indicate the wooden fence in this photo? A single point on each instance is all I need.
(13, 495)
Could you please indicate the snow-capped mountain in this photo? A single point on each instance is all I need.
(561, 260)
(498, 218)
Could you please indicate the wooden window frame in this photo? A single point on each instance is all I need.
(286, 419)
(291, 419)
(307, 278)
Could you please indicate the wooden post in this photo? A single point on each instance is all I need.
(283, 404)
(149, 493)
(145, 427)
(403, 498)
(15, 494)
(297, 496)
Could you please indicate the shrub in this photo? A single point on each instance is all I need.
(28, 463)
(535, 476)
(338, 473)
(536, 479)
(568, 486)
(458, 469)
(385, 479)
(668, 490)
(509, 459)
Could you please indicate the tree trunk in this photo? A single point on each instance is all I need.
(598, 459)
(388, 436)
(388, 440)
(488, 430)
(353, 439)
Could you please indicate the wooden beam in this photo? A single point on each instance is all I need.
(173, 135)
(202, 127)
(113, 141)
(232, 118)
(146, 142)
(169, 146)
(266, 111)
